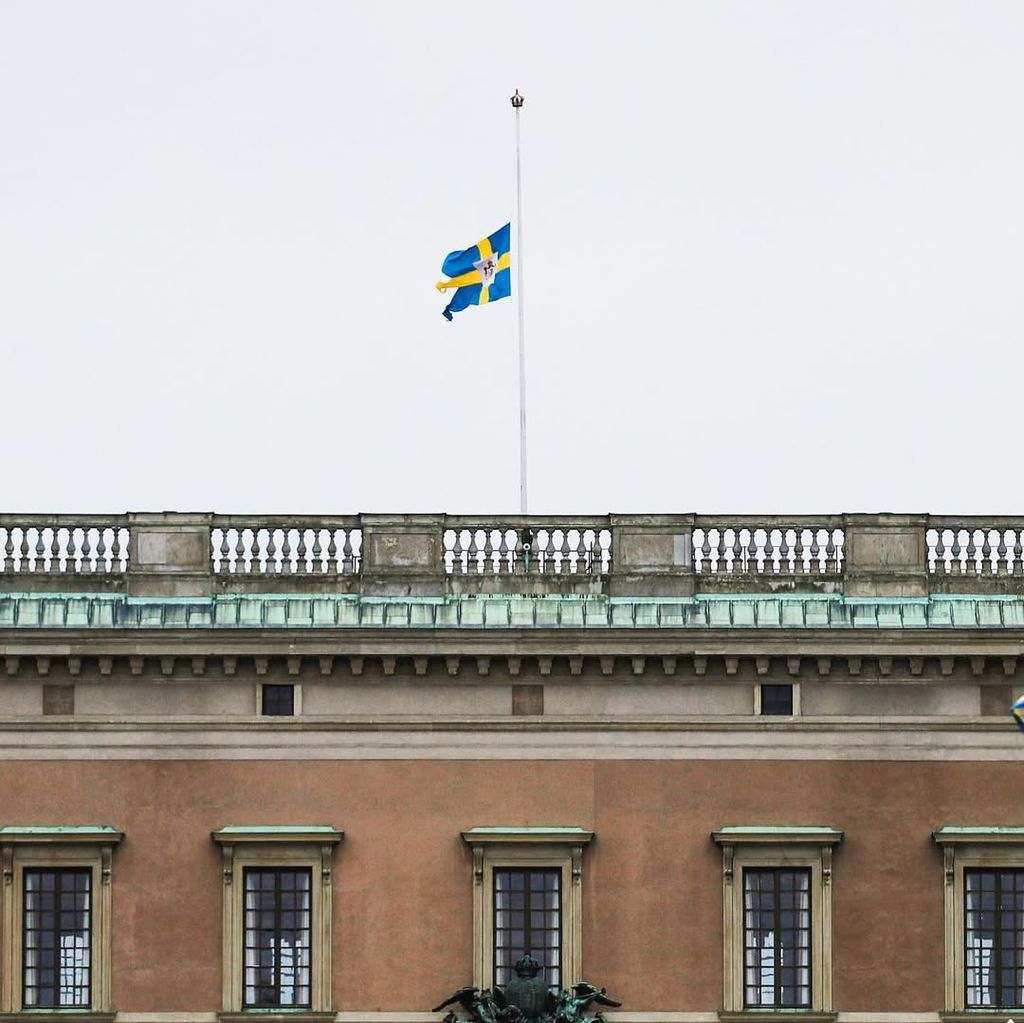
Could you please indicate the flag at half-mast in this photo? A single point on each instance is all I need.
(479, 274)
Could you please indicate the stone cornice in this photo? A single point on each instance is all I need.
(622, 657)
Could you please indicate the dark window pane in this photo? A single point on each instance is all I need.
(527, 919)
(278, 701)
(777, 699)
(993, 939)
(776, 938)
(277, 941)
(57, 939)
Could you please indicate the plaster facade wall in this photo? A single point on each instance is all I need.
(652, 895)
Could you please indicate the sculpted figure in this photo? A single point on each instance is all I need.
(527, 999)
(528, 992)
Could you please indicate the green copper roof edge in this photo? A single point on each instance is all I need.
(774, 829)
(998, 829)
(58, 829)
(528, 829)
(278, 829)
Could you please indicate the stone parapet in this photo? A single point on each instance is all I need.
(173, 554)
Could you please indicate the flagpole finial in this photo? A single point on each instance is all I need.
(518, 99)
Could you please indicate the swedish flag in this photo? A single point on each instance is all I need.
(479, 274)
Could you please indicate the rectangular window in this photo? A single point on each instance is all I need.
(57, 961)
(278, 700)
(994, 938)
(528, 919)
(776, 938)
(777, 699)
(276, 938)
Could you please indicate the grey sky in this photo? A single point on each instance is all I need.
(773, 255)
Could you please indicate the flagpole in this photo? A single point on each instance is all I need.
(517, 103)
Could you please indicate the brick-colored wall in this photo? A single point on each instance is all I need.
(652, 878)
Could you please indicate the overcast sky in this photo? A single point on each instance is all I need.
(773, 255)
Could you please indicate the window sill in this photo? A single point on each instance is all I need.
(57, 1016)
(779, 1016)
(980, 1015)
(274, 1016)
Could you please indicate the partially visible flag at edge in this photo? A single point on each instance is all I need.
(479, 274)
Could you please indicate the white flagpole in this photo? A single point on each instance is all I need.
(517, 104)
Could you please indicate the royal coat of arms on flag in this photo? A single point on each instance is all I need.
(479, 274)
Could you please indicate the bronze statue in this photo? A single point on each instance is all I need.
(527, 999)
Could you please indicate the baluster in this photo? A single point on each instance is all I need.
(971, 562)
(1016, 552)
(115, 550)
(348, 554)
(750, 560)
(736, 562)
(500, 562)
(564, 566)
(940, 553)
(40, 552)
(300, 552)
(705, 551)
(53, 552)
(954, 565)
(87, 558)
(270, 550)
(474, 550)
(223, 565)
(240, 562)
(457, 562)
(23, 563)
(72, 563)
(985, 568)
(543, 562)
(286, 552)
(101, 550)
(814, 564)
(8, 565)
(799, 550)
(784, 563)
(768, 551)
(831, 552)
(318, 553)
(1000, 552)
(332, 551)
(495, 540)
(580, 552)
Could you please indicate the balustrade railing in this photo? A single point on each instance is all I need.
(523, 546)
(57, 544)
(963, 546)
(763, 546)
(286, 545)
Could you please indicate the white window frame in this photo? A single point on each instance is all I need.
(801, 847)
(291, 847)
(970, 848)
(524, 848)
(88, 847)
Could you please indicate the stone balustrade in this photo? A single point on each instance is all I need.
(47, 545)
(176, 554)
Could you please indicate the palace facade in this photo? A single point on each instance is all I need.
(333, 768)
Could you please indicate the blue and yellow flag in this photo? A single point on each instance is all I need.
(479, 274)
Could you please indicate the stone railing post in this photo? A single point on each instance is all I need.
(652, 556)
(170, 554)
(886, 555)
(402, 555)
